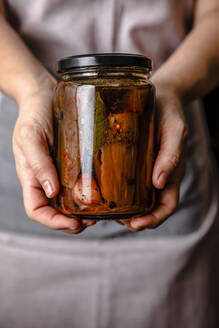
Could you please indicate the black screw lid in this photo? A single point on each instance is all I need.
(103, 59)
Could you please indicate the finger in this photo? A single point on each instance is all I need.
(127, 223)
(35, 148)
(70, 232)
(169, 198)
(35, 202)
(88, 223)
(171, 147)
(38, 209)
(120, 222)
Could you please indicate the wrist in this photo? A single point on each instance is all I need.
(32, 86)
(166, 87)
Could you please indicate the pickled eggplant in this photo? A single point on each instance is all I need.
(105, 150)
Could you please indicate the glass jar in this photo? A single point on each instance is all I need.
(104, 146)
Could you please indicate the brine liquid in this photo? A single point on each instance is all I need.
(104, 150)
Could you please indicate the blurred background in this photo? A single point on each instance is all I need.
(211, 104)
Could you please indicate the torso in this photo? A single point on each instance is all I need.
(54, 29)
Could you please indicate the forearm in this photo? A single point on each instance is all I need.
(193, 70)
(21, 73)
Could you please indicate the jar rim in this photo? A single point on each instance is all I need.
(103, 59)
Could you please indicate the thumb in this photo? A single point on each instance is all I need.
(171, 148)
(36, 151)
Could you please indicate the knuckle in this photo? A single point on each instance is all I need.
(178, 126)
(43, 168)
(28, 132)
(52, 223)
(29, 213)
(21, 134)
(173, 160)
(25, 134)
(182, 128)
(38, 170)
(25, 131)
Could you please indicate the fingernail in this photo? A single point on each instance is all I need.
(162, 179)
(136, 225)
(75, 226)
(78, 229)
(48, 188)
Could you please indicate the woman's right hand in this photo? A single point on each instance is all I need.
(32, 141)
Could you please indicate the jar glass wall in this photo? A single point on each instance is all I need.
(104, 141)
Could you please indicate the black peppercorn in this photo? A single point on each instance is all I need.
(112, 204)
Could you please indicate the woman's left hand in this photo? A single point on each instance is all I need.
(169, 167)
